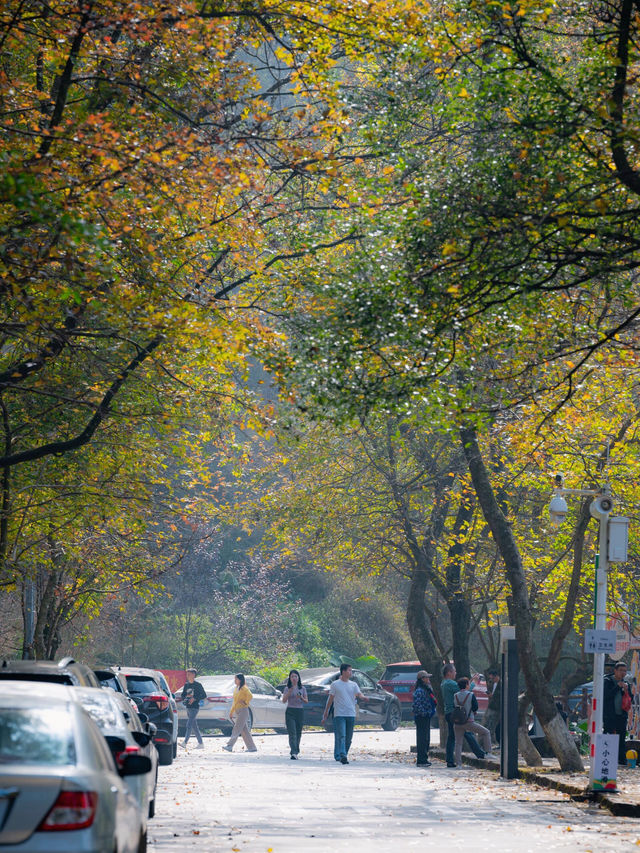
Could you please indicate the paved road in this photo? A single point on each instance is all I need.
(263, 802)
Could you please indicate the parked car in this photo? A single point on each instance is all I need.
(173, 704)
(378, 708)
(266, 712)
(153, 698)
(59, 787)
(400, 679)
(65, 671)
(125, 736)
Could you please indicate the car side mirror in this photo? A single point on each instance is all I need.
(144, 718)
(151, 728)
(135, 765)
(141, 738)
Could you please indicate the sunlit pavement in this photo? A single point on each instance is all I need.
(211, 800)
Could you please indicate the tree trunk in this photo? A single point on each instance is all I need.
(417, 622)
(457, 602)
(528, 751)
(544, 705)
(460, 615)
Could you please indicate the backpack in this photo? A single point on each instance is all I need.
(460, 714)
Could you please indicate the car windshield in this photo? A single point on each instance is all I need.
(327, 679)
(141, 684)
(218, 683)
(98, 705)
(36, 736)
(392, 673)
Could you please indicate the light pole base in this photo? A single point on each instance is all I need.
(603, 768)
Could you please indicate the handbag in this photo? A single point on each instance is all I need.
(626, 701)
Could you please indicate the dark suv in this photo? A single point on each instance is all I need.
(65, 671)
(150, 692)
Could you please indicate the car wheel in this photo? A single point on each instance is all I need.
(175, 749)
(142, 844)
(250, 720)
(394, 716)
(165, 754)
(152, 807)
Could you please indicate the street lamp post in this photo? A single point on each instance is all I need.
(600, 508)
(602, 567)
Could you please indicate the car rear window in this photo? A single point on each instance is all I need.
(107, 680)
(36, 736)
(141, 684)
(53, 678)
(99, 707)
(394, 673)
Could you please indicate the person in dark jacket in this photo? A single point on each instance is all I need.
(192, 694)
(491, 719)
(424, 707)
(614, 717)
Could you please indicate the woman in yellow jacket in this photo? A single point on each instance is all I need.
(242, 697)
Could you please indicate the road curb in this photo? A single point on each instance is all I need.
(615, 803)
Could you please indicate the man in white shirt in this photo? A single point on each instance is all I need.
(342, 695)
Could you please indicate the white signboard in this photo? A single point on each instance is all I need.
(597, 641)
(623, 638)
(605, 763)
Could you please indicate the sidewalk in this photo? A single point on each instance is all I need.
(626, 802)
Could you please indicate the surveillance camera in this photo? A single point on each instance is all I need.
(601, 506)
(558, 509)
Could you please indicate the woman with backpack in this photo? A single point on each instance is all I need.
(465, 706)
(424, 707)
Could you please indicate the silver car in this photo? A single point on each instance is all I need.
(125, 735)
(265, 712)
(59, 787)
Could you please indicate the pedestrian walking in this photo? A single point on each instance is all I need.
(449, 688)
(343, 694)
(295, 697)
(465, 704)
(616, 702)
(239, 714)
(193, 695)
(491, 719)
(424, 707)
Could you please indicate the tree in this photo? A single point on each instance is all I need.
(388, 502)
(147, 164)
